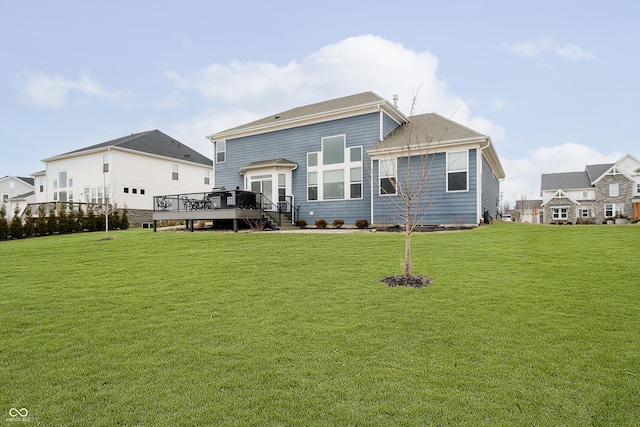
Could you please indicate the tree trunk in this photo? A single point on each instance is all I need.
(407, 241)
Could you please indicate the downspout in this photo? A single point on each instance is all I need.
(371, 185)
(479, 206)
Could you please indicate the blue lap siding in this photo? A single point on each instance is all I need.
(437, 205)
(293, 144)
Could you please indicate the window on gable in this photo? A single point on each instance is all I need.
(221, 151)
(388, 174)
(614, 190)
(174, 172)
(333, 150)
(335, 172)
(457, 171)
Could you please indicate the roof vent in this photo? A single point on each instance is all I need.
(276, 117)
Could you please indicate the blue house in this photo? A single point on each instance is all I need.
(358, 157)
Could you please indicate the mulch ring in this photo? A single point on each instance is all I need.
(411, 281)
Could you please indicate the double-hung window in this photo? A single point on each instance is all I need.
(458, 171)
(221, 151)
(388, 170)
(105, 163)
(207, 176)
(174, 172)
(614, 190)
(335, 172)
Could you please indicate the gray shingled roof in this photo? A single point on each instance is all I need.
(152, 142)
(313, 109)
(269, 163)
(596, 171)
(574, 180)
(565, 180)
(431, 128)
(27, 180)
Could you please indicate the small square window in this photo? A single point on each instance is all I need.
(134, 190)
(142, 191)
(126, 189)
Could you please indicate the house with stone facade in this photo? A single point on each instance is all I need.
(597, 193)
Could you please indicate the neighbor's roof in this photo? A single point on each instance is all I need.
(26, 180)
(565, 180)
(320, 111)
(151, 142)
(573, 180)
(596, 171)
(23, 195)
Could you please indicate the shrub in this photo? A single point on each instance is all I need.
(4, 224)
(338, 223)
(321, 223)
(301, 223)
(362, 223)
(41, 222)
(16, 229)
(29, 229)
(124, 221)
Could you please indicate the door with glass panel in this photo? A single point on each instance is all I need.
(263, 184)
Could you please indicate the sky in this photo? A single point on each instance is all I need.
(555, 84)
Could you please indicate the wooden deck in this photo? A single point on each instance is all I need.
(219, 204)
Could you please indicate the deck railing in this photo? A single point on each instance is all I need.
(226, 199)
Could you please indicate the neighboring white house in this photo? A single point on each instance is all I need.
(10, 187)
(128, 171)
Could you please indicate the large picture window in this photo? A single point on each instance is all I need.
(458, 171)
(335, 172)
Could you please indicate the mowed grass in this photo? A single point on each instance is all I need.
(523, 325)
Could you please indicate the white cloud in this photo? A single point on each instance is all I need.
(241, 91)
(550, 46)
(42, 90)
(524, 174)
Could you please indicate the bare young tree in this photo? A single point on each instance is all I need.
(408, 164)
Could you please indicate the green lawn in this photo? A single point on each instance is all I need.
(523, 326)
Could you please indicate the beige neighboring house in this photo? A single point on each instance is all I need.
(598, 193)
(12, 188)
(527, 211)
(126, 171)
